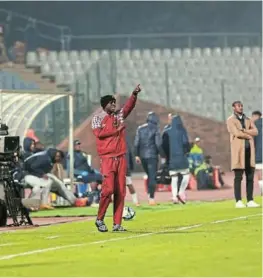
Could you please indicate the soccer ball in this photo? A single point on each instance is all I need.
(128, 213)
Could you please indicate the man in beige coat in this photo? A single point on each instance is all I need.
(242, 130)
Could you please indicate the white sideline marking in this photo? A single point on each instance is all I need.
(6, 244)
(37, 251)
(51, 237)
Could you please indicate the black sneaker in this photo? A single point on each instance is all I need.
(101, 226)
(118, 228)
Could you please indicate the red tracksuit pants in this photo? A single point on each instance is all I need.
(113, 171)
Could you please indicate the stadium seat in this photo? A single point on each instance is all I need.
(193, 75)
(31, 59)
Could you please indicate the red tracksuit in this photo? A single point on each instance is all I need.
(111, 148)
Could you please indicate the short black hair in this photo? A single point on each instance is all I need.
(236, 102)
(257, 113)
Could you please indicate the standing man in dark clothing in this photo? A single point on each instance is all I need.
(175, 145)
(169, 122)
(130, 167)
(257, 118)
(242, 130)
(147, 146)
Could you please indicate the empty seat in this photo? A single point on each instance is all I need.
(32, 59)
(52, 56)
(176, 53)
(196, 52)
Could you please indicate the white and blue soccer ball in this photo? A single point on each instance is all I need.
(128, 213)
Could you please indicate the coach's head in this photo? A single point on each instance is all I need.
(237, 107)
(108, 103)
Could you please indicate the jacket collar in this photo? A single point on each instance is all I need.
(240, 118)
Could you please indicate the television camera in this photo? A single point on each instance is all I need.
(10, 190)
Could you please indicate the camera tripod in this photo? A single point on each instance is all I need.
(13, 200)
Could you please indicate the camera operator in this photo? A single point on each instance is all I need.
(38, 175)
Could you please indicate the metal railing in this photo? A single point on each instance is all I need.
(34, 31)
(52, 36)
(170, 40)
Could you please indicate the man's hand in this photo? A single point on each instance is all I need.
(121, 127)
(138, 160)
(137, 90)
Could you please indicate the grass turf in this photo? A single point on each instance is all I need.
(156, 245)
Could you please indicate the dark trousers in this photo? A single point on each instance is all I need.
(150, 167)
(249, 171)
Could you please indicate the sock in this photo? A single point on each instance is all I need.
(184, 183)
(134, 198)
(174, 187)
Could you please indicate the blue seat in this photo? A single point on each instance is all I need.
(12, 81)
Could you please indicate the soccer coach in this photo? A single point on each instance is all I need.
(242, 130)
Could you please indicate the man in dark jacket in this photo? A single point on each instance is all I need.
(169, 122)
(175, 145)
(257, 118)
(147, 146)
(81, 166)
(38, 167)
(130, 167)
(28, 146)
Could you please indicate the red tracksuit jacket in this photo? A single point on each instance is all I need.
(109, 141)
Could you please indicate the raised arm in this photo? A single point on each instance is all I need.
(99, 130)
(232, 129)
(130, 103)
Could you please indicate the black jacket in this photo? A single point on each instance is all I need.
(148, 140)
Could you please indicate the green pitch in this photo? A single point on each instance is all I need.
(198, 239)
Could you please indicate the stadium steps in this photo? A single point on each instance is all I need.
(29, 75)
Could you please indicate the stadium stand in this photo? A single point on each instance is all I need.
(186, 79)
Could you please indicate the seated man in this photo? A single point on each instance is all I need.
(81, 166)
(28, 146)
(196, 156)
(38, 167)
(211, 168)
(83, 170)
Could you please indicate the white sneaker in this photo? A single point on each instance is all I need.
(240, 204)
(252, 204)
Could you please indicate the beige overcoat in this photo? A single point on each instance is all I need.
(237, 141)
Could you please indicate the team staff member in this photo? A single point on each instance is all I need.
(242, 130)
(257, 117)
(109, 129)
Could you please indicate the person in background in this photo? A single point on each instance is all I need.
(28, 147)
(169, 121)
(39, 147)
(175, 145)
(58, 169)
(196, 155)
(81, 166)
(130, 166)
(38, 169)
(147, 145)
(257, 119)
(242, 130)
(88, 175)
(210, 167)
